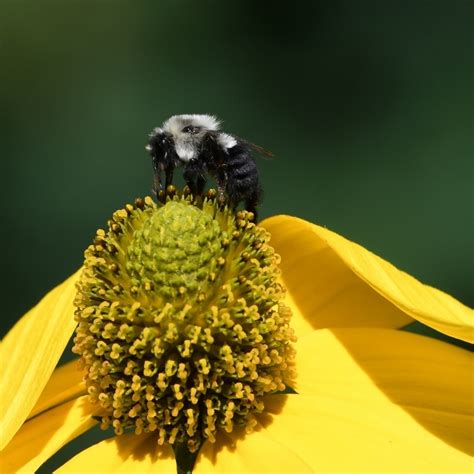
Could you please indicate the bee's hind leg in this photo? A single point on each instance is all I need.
(251, 206)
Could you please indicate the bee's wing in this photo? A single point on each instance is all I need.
(260, 150)
(268, 155)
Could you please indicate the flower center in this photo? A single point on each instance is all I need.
(182, 329)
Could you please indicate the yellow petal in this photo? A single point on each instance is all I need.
(43, 435)
(337, 283)
(127, 453)
(66, 383)
(384, 400)
(322, 289)
(29, 353)
(413, 371)
(240, 453)
(343, 435)
(374, 400)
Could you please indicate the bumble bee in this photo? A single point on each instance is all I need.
(195, 143)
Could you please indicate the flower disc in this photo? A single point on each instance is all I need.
(181, 328)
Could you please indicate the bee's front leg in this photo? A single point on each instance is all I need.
(157, 185)
(169, 176)
(189, 176)
(194, 176)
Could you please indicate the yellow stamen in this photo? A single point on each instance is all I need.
(182, 328)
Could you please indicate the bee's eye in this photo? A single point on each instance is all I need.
(190, 129)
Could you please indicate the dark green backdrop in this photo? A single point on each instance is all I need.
(366, 104)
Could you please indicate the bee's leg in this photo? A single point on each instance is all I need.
(253, 209)
(251, 205)
(157, 185)
(221, 194)
(200, 183)
(221, 179)
(169, 176)
(189, 175)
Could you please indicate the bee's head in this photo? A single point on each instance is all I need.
(187, 133)
(160, 143)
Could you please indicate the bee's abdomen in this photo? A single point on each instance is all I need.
(242, 174)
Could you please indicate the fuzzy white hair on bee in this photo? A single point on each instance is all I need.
(226, 141)
(176, 123)
(187, 131)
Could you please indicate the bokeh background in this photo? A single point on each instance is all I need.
(367, 105)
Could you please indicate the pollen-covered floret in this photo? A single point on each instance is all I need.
(182, 329)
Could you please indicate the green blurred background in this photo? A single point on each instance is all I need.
(367, 105)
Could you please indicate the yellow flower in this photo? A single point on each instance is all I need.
(369, 398)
